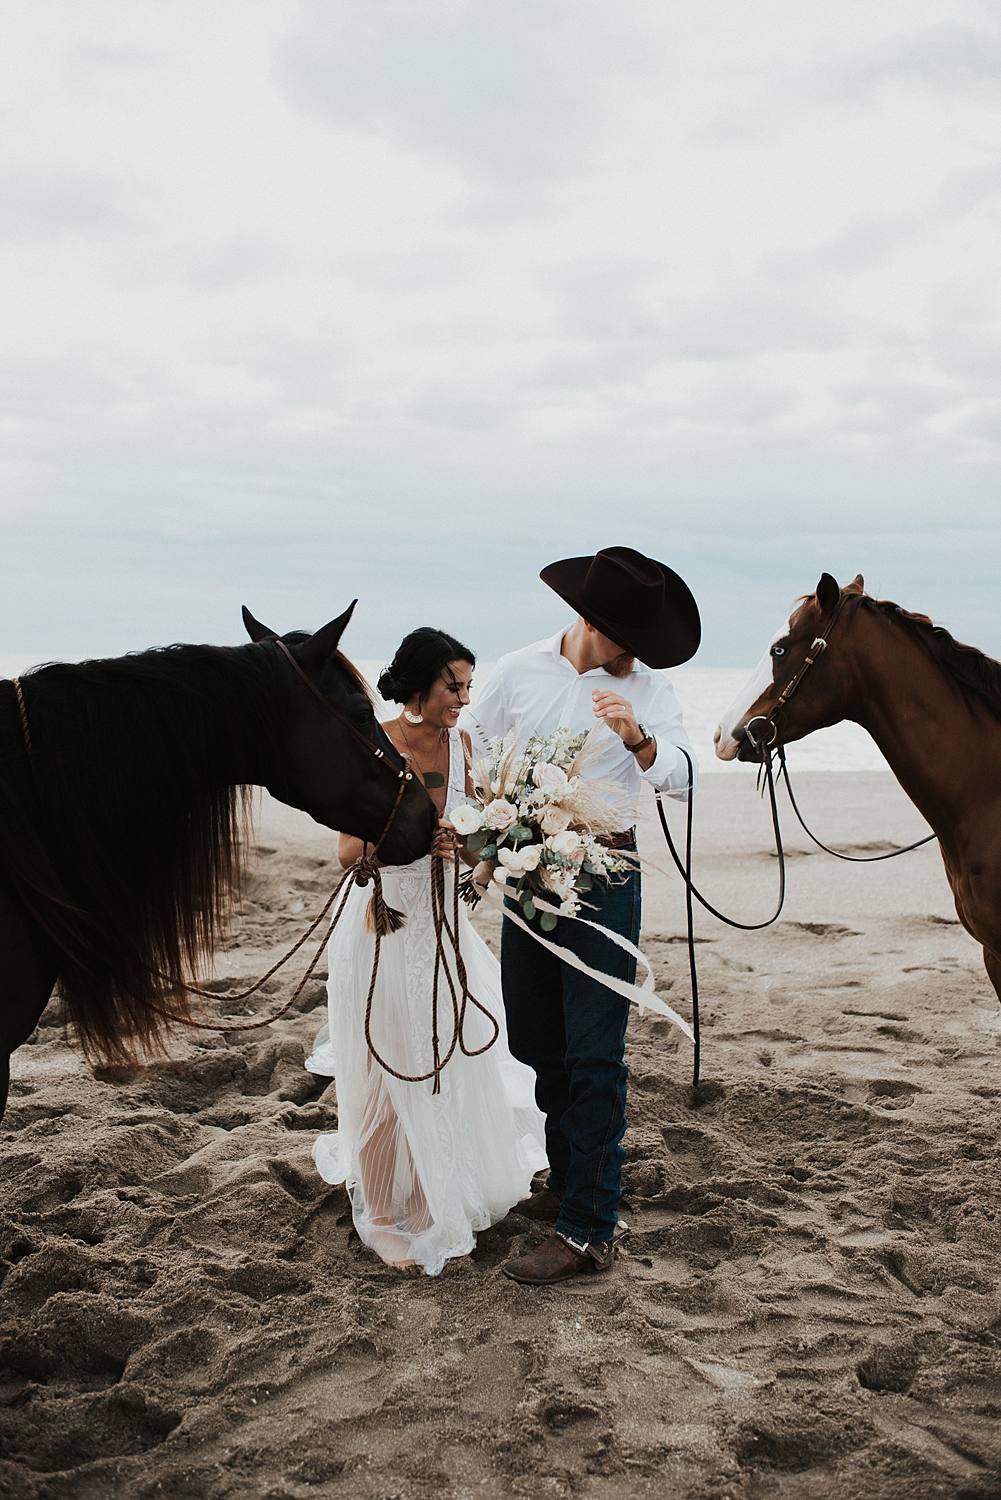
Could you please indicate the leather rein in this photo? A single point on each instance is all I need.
(768, 748)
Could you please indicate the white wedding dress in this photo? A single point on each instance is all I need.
(424, 1171)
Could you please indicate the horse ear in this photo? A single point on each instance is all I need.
(857, 585)
(828, 593)
(325, 641)
(255, 629)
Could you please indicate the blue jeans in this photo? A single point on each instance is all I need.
(571, 1031)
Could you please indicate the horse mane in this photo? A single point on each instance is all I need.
(123, 835)
(977, 674)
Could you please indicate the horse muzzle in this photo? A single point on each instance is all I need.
(757, 738)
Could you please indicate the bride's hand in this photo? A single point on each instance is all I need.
(444, 840)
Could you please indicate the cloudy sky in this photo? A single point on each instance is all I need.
(303, 299)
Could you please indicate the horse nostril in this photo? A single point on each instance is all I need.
(717, 735)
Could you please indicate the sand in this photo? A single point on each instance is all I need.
(807, 1304)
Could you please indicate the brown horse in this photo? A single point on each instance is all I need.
(123, 795)
(932, 705)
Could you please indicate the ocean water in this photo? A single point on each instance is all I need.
(705, 693)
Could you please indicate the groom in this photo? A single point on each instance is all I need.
(632, 614)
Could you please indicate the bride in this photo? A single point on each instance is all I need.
(424, 1171)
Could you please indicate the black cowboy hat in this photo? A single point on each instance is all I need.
(639, 604)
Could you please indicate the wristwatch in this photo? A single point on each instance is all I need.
(642, 742)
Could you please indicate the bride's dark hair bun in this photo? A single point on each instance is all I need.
(419, 662)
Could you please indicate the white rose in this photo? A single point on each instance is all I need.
(511, 860)
(530, 857)
(500, 875)
(549, 776)
(466, 819)
(565, 843)
(499, 814)
(554, 819)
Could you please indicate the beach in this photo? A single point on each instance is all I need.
(807, 1303)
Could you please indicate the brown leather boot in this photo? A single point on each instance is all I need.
(557, 1259)
(543, 1205)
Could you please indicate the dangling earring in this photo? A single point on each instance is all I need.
(413, 718)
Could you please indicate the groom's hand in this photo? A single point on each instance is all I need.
(618, 714)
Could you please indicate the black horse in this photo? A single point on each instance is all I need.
(125, 790)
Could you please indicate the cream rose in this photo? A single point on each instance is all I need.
(466, 819)
(499, 814)
(554, 819)
(566, 843)
(530, 857)
(546, 775)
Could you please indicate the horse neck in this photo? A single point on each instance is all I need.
(930, 735)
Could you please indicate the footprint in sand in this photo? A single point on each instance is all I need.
(822, 929)
(891, 1093)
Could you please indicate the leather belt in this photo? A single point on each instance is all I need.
(624, 840)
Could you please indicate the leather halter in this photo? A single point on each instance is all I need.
(817, 648)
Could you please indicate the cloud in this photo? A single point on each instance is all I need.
(516, 93)
(407, 300)
(944, 55)
(43, 205)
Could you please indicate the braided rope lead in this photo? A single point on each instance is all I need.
(22, 709)
(360, 874)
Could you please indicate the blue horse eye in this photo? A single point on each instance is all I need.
(778, 651)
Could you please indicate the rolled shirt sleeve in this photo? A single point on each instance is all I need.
(668, 771)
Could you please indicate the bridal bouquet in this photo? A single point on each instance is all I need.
(537, 821)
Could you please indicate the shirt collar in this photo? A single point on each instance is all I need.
(552, 646)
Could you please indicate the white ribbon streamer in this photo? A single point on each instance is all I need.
(641, 995)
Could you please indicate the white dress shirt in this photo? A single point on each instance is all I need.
(537, 690)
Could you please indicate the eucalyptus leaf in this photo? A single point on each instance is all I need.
(547, 921)
(528, 905)
(475, 841)
(519, 834)
(488, 851)
(584, 881)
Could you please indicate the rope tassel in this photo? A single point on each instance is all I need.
(381, 917)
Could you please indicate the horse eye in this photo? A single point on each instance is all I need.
(778, 651)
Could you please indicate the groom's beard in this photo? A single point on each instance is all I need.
(619, 666)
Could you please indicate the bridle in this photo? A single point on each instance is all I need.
(817, 648)
(403, 776)
(768, 749)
